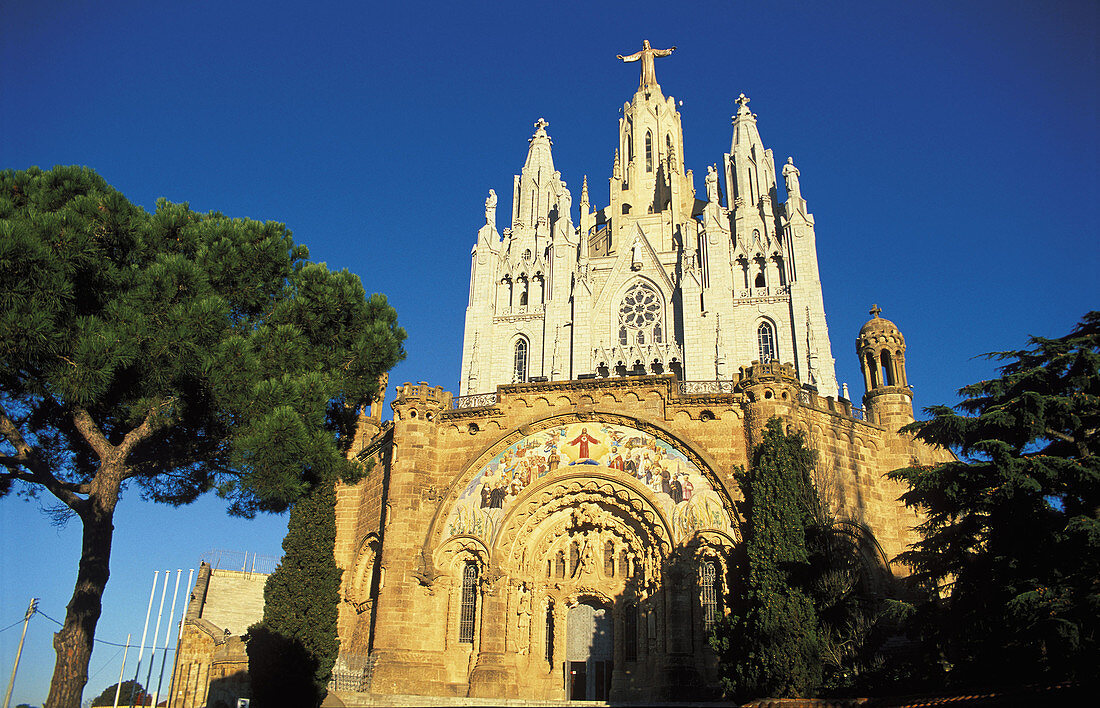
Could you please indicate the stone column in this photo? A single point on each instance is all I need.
(494, 674)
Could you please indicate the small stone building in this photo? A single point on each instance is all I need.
(211, 666)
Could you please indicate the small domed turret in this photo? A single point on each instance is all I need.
(881, 350)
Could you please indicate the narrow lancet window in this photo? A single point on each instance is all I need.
(469, 604)
(648, 151)
(520, 362)
(708, 579)
(765, 336)
(630, 632)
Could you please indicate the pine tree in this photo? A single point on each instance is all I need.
(175, 351)
(770, 645)
(292, 651)
(128, 688)
(1010, 548)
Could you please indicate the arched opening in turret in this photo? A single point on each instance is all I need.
(760, 280)
(648, 151)
(626, 208)
(888, 369)
(872, 369)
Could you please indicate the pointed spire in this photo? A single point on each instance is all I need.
(584, 193)
(538, 154)
(616, 170)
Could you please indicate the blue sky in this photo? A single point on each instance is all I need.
(948, 151)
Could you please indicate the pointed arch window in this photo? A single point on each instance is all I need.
(550, 633)
(765, 338)
(708, 580)
(520, 361)
(630, 632)
(648, 151)
(469, 604)
(641, 315)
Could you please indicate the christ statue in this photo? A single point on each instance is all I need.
(646, 56)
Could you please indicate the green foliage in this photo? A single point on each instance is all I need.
(770, 644)
(107, 698)
(175, 351)
(1010, 548)
(292, 651)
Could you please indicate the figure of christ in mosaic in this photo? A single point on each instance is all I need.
(678, 487)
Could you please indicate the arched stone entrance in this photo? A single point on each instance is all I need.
(589, 649)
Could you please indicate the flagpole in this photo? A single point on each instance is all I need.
(118, 688)
(137, 671)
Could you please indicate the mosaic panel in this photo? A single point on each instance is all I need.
(676, 485)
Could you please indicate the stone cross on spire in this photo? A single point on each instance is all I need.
(541, 124)
(743, 102)
(649, 76)
(875, 310)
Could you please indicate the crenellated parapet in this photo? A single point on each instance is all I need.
(413, 401)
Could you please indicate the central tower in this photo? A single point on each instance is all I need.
(656, 281)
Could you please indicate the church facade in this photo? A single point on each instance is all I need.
(564, 527)
(659, 280)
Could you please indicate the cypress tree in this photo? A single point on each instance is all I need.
(292, 650)
(770, 646)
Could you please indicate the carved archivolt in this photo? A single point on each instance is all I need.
(677, 485)
(358, 584)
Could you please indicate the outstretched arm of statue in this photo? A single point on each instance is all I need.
(633, 57)
(664, 52)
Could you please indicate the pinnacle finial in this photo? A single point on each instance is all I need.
(875, 310)
(743, 102)
(541, 125)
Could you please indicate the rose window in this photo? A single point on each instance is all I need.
(640, 318)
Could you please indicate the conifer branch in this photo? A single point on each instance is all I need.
(38, 471)
(91, 433)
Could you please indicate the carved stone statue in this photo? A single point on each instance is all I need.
(790, 176)
(523, 619)
(565, 203)
(491, 208)
(712, 183)
(636, 254)
(646, 56)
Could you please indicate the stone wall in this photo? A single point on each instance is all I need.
(211, 665)
(396, 550)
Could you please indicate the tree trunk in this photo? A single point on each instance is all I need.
(74, 642)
